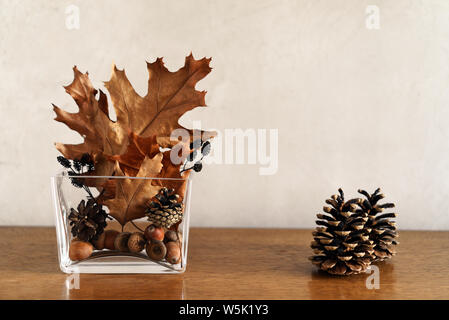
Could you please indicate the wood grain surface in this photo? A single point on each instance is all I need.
(228, 264)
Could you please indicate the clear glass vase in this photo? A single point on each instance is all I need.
(67, 196)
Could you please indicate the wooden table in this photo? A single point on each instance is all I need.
(228, 264)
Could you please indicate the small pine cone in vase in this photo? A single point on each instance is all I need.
(382, 230)
(88, 220)
(341, 244)
(165, 210)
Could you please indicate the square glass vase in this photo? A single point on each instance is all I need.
(68, 192)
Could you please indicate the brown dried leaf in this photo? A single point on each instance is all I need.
(138, 149)
(132, 195)
(170, 170)
(169, 96)
(101, 134)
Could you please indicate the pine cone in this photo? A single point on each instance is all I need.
(88, 221)
(341, 244)
(165, 210)
(382, 230)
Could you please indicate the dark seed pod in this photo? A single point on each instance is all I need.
(121, 242)
(198, 166)
(205, 149)
(85, 159)
(77, 165)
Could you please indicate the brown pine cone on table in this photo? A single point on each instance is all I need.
(341, 244)
(382, 230)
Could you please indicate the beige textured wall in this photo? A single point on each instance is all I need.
(354, 107)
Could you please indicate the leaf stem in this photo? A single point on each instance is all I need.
(136, 226)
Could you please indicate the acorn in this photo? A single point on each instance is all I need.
(136, 242)
(80, 250)
(99, 242)
(171, 235)
(154, 233)
(109, 238)
(173, 252)
(121, 242)
(156, 250)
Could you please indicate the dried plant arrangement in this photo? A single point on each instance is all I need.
(133, 168)
(352, 234)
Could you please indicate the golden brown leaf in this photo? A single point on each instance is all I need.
(176, 180)
(101, 135)
(132, 194)
(137, 150)
(138, 147)
(169, 96)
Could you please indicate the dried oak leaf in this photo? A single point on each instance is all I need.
(139, 148)
(172, 171)
(169, 96)
(132, 195)
(101, 135)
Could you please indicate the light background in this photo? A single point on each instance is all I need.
(354, 107)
